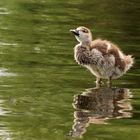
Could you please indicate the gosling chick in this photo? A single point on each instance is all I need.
(103, 58)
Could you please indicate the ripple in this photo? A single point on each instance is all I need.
(3, 72)
(4, 11)
(8, 44)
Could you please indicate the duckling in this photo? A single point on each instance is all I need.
(103, 58)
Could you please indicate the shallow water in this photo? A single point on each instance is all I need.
(39, 79)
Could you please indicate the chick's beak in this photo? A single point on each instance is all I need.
(75, 32)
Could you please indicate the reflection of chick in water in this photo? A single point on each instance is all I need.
(98, 105)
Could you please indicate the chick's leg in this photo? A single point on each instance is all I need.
(98, 82)
(109, 82)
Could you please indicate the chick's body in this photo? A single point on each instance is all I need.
(103, 59)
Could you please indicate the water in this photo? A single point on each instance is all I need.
(39, 79)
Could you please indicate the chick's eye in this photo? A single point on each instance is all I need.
(85, 31)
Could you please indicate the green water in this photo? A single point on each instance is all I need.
(39, 78)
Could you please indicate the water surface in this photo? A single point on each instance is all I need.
(39, 78)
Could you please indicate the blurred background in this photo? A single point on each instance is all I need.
(39, 77)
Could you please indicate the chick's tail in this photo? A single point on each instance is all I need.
(129, 61)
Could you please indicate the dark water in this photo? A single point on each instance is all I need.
(39, 79)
